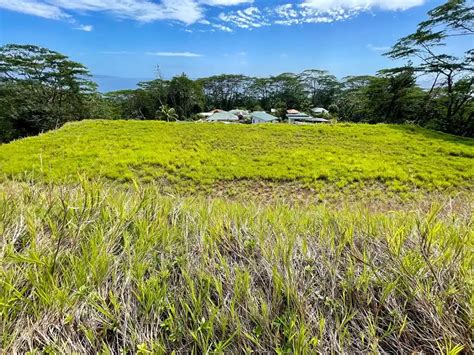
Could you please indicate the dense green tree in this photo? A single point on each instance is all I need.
(40, 89)
(185, 96)
(320, 86)
(393, 98)
(226, 92)
(453, 77)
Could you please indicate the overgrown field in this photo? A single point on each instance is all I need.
(121, 237)
(191, 156)
(93, 268)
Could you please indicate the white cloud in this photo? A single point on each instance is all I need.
(186, 11)
(36, 8)
(222, 27)
(175, 54)
(85, 28)
(378, 48)
(193, 11)
(329, 5)
(248, 18)
(309, 11)
(225, 2)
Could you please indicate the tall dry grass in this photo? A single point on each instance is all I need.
(95, 268)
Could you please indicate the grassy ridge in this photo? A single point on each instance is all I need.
(93, 268)
(190, 155)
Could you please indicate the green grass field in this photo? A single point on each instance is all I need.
(96, 256)
(190, 156)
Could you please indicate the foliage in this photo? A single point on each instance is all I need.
(453, 77)
(166, 113)
(40, 90)
(192, 156)
(101, 269)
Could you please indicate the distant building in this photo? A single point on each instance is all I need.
(241, 114)
(223, 116)
(210, 113)
(262, 117)
(319, 111)
(299, 118)
(292, 112)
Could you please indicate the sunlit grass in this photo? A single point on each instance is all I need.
(121, 237)
(98, 268)
(193, 156)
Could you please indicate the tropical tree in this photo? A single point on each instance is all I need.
(166, 113)
(320, 86)
(452, 76)
(41, 89)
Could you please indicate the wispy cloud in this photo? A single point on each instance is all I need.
(331, 5)
(222, 27)
(116, 52)
(193, 11)
(85, 28)
(36, 8)
(307, 12)
(378, 48)
(186, 11)
(175, 54)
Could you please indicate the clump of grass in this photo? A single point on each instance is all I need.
(95, 268)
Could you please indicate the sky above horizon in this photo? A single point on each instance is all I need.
(123, 41)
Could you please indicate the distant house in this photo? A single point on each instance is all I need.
(262, 117)
(292, 112)
(223, 117)
(210, 113)
(299, 118)
(241, 114)
(319, 111)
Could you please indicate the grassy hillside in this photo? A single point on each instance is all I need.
(191, 155)
(95, 256)
(93, 269)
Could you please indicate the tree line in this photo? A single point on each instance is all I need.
(41, 89)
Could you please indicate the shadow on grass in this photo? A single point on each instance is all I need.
(430, 134)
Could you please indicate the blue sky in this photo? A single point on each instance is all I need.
(122, 41)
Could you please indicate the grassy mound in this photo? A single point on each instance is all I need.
(189, 156)
(96, 269)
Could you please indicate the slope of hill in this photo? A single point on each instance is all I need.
(92, 266)
(191, 155)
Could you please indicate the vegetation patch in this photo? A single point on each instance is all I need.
(196, 156)
(97, 269)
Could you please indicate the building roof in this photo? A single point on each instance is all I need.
(319, 110)
(292, 112)
(304, 117)
(239, 112)
(263, 116)
(223, 117)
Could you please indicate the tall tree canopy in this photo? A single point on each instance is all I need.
(453, 77)
(39, 90)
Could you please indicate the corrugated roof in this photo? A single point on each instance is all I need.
(223, 116)
(239, 112)
(319, 110)
(304, 117)
(261, 115)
